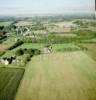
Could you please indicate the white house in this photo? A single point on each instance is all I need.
(8, 61)
(46, 49)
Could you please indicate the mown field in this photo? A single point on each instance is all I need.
(59, 76)
(9, 82)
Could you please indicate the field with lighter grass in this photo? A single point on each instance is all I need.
(59, 76)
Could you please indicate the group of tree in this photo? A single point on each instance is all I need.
(2, 31)
(31, 52)
(18, 43)
(86, 33)
(85, 24)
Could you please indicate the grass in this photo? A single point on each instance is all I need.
(59, 76)
(9, 81)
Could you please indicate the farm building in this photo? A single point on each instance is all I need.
(7, 60)
(46, 49)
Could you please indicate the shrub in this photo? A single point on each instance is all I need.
(18, 43)
(2, 53)
(37, 52)
(19, 52)
(28, 51)
(28, 58)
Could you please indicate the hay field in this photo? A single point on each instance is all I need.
(59, 76)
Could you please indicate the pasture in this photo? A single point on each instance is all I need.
(9, 82)
(59, 76)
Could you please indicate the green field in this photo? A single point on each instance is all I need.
(55, 47)
(30, 45)
(59, 76)
(65, 47)
(5, 23)
(9, 81)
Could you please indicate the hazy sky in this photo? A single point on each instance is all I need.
(45, 6)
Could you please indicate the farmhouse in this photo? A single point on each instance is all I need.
(7, 60)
